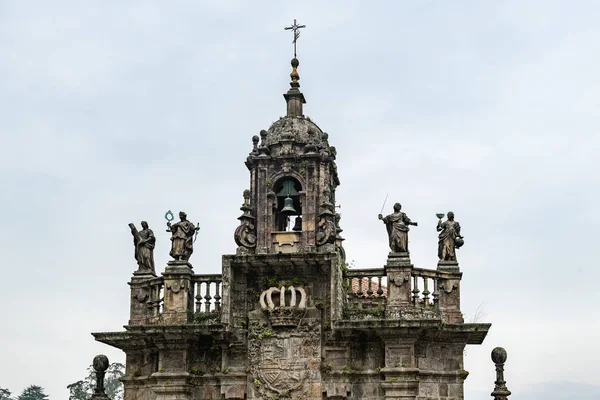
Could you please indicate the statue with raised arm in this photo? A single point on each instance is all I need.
(397, 228)
(182, 238)
(144, 242)
(449, 238)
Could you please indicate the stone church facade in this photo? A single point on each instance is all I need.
(286, 318)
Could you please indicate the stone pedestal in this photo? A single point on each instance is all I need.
(398, 270)
(178, 292)
(140, 309)
(450, 292)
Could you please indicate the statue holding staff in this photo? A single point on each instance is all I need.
(449, 237)
(144, 242)
(397, 228)
(182, 237)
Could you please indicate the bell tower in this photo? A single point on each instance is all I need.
(293, 180)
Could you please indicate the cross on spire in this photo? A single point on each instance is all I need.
(296, 29)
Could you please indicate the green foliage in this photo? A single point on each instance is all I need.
(33, 392)
(5, 394)
(257, 383)
(83, 389)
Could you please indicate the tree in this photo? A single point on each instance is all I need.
(83, 389)
(5, 394)
(33, 392)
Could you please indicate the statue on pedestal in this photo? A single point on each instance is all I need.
(397, 228)
(144, 242)
(449, 238)
(182, 238)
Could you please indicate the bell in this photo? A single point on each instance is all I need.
(288, 206)
(297, 224)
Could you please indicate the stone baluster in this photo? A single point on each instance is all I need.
(198, 297)
(415, 291)
(500, 392)
(360, 288)
(379, 289)
(207, 297)
(426, 292)
(370, 287)
(436, 295)
(217, 297)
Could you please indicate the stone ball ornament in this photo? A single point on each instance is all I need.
(100, 363)
(499, 355)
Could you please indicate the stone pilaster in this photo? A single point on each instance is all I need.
(172, 386)
(178, 292)
(400, 383)
(398, 271)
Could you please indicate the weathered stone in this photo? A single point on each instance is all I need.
(287, 319)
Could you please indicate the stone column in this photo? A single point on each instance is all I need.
(398, 271)
(449, 289)
(178, 293)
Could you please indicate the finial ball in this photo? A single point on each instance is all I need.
(295, 62)
(499, 355)
(100, 363)
(263, 134)
(255, 139)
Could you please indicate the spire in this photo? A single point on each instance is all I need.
(294, 97)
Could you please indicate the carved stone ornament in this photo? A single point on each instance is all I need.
(141, 295)
(176, 286)
(397, 278)
(289, 308)
(245, 234)
(448, 286)
(282, 361)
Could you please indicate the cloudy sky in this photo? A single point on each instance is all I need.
(116, 111)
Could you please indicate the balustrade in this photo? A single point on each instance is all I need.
(156, 297)
(208, 289)
(366, 284)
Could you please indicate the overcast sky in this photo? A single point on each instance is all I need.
(116, 111)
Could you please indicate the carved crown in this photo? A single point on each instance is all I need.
(282, 307)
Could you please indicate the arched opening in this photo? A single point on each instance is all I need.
(288, 216)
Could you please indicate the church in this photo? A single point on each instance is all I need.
(286, 318)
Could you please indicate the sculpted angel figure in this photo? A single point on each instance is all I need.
(397, 228)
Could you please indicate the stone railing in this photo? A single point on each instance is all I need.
(177, 297)
(208, 289)
(403, 287)
(366, 284)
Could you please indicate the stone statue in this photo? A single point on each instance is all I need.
(397, 228)
(449, 238)
(144, 242)
(182, 238)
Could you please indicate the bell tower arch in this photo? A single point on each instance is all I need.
(293, 179)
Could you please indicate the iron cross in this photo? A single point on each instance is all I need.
(296, 28)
